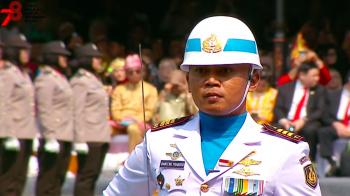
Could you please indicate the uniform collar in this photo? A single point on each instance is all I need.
(53, 71)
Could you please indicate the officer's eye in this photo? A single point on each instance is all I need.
(201, 70)
(225, 70)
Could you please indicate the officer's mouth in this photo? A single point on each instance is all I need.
(212, 97)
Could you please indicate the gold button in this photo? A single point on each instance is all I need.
(167, 186)
(204, 187)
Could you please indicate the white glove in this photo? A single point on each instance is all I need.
(81, 148)
(12, 143)
(52, 146)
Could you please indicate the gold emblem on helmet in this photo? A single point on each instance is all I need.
(212, 44)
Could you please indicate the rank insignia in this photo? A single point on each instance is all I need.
(248, 162)
(288, 135)
(212, 44)
(246, 171)
(167, 186)
(179, 181)
(174, 155)
(311, 178)
(170, 123)
(160, 180)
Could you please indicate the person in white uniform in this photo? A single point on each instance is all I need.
(220, 150)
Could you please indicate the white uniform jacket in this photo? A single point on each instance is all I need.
(170, 160)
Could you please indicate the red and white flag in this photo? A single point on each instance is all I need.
(225, 163)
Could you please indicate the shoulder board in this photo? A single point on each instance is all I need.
(46, 71)
(82, 73)
(288, 135)
(8, 66)
(170, 123)
(79, 74)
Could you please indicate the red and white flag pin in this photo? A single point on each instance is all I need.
(225, 163)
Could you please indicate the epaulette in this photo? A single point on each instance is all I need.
(8, 65)
(46, 71)
(288, 135)
(170, 123)
(79, 74)
(82, 73)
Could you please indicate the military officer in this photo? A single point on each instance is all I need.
(91, 112)
(17, 115)
(55, 113)
(221, 150)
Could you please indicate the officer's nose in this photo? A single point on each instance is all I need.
(211, 81)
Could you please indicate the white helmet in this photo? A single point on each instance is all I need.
(221, 40)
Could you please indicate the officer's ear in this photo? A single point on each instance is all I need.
(254, 79)
(188, 82)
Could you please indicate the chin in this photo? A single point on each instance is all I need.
(215, 111)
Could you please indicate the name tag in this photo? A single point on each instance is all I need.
(168, 164)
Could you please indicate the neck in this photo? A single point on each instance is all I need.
(302, 83)
(210, 123)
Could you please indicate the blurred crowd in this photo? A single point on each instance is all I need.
(74, 95)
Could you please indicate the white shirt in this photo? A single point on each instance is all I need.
(344, 100)
(298, 95)
(281, 164)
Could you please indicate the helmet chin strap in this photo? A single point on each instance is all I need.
(245, 92)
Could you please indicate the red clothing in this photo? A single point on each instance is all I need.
(325, 77)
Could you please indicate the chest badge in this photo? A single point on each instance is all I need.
(246, 171)
(174, 156)
(179, 181)
(248, 162)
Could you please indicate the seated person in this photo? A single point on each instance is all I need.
(261, 102)
(117, 71)
(299, 105)
(336, 119)
(127, 102)
(174, 100)
(336, 83)
(305, 56)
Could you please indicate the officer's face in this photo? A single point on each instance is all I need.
(96, 64)
(24, 56)
(62, 61)
(217, 90)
